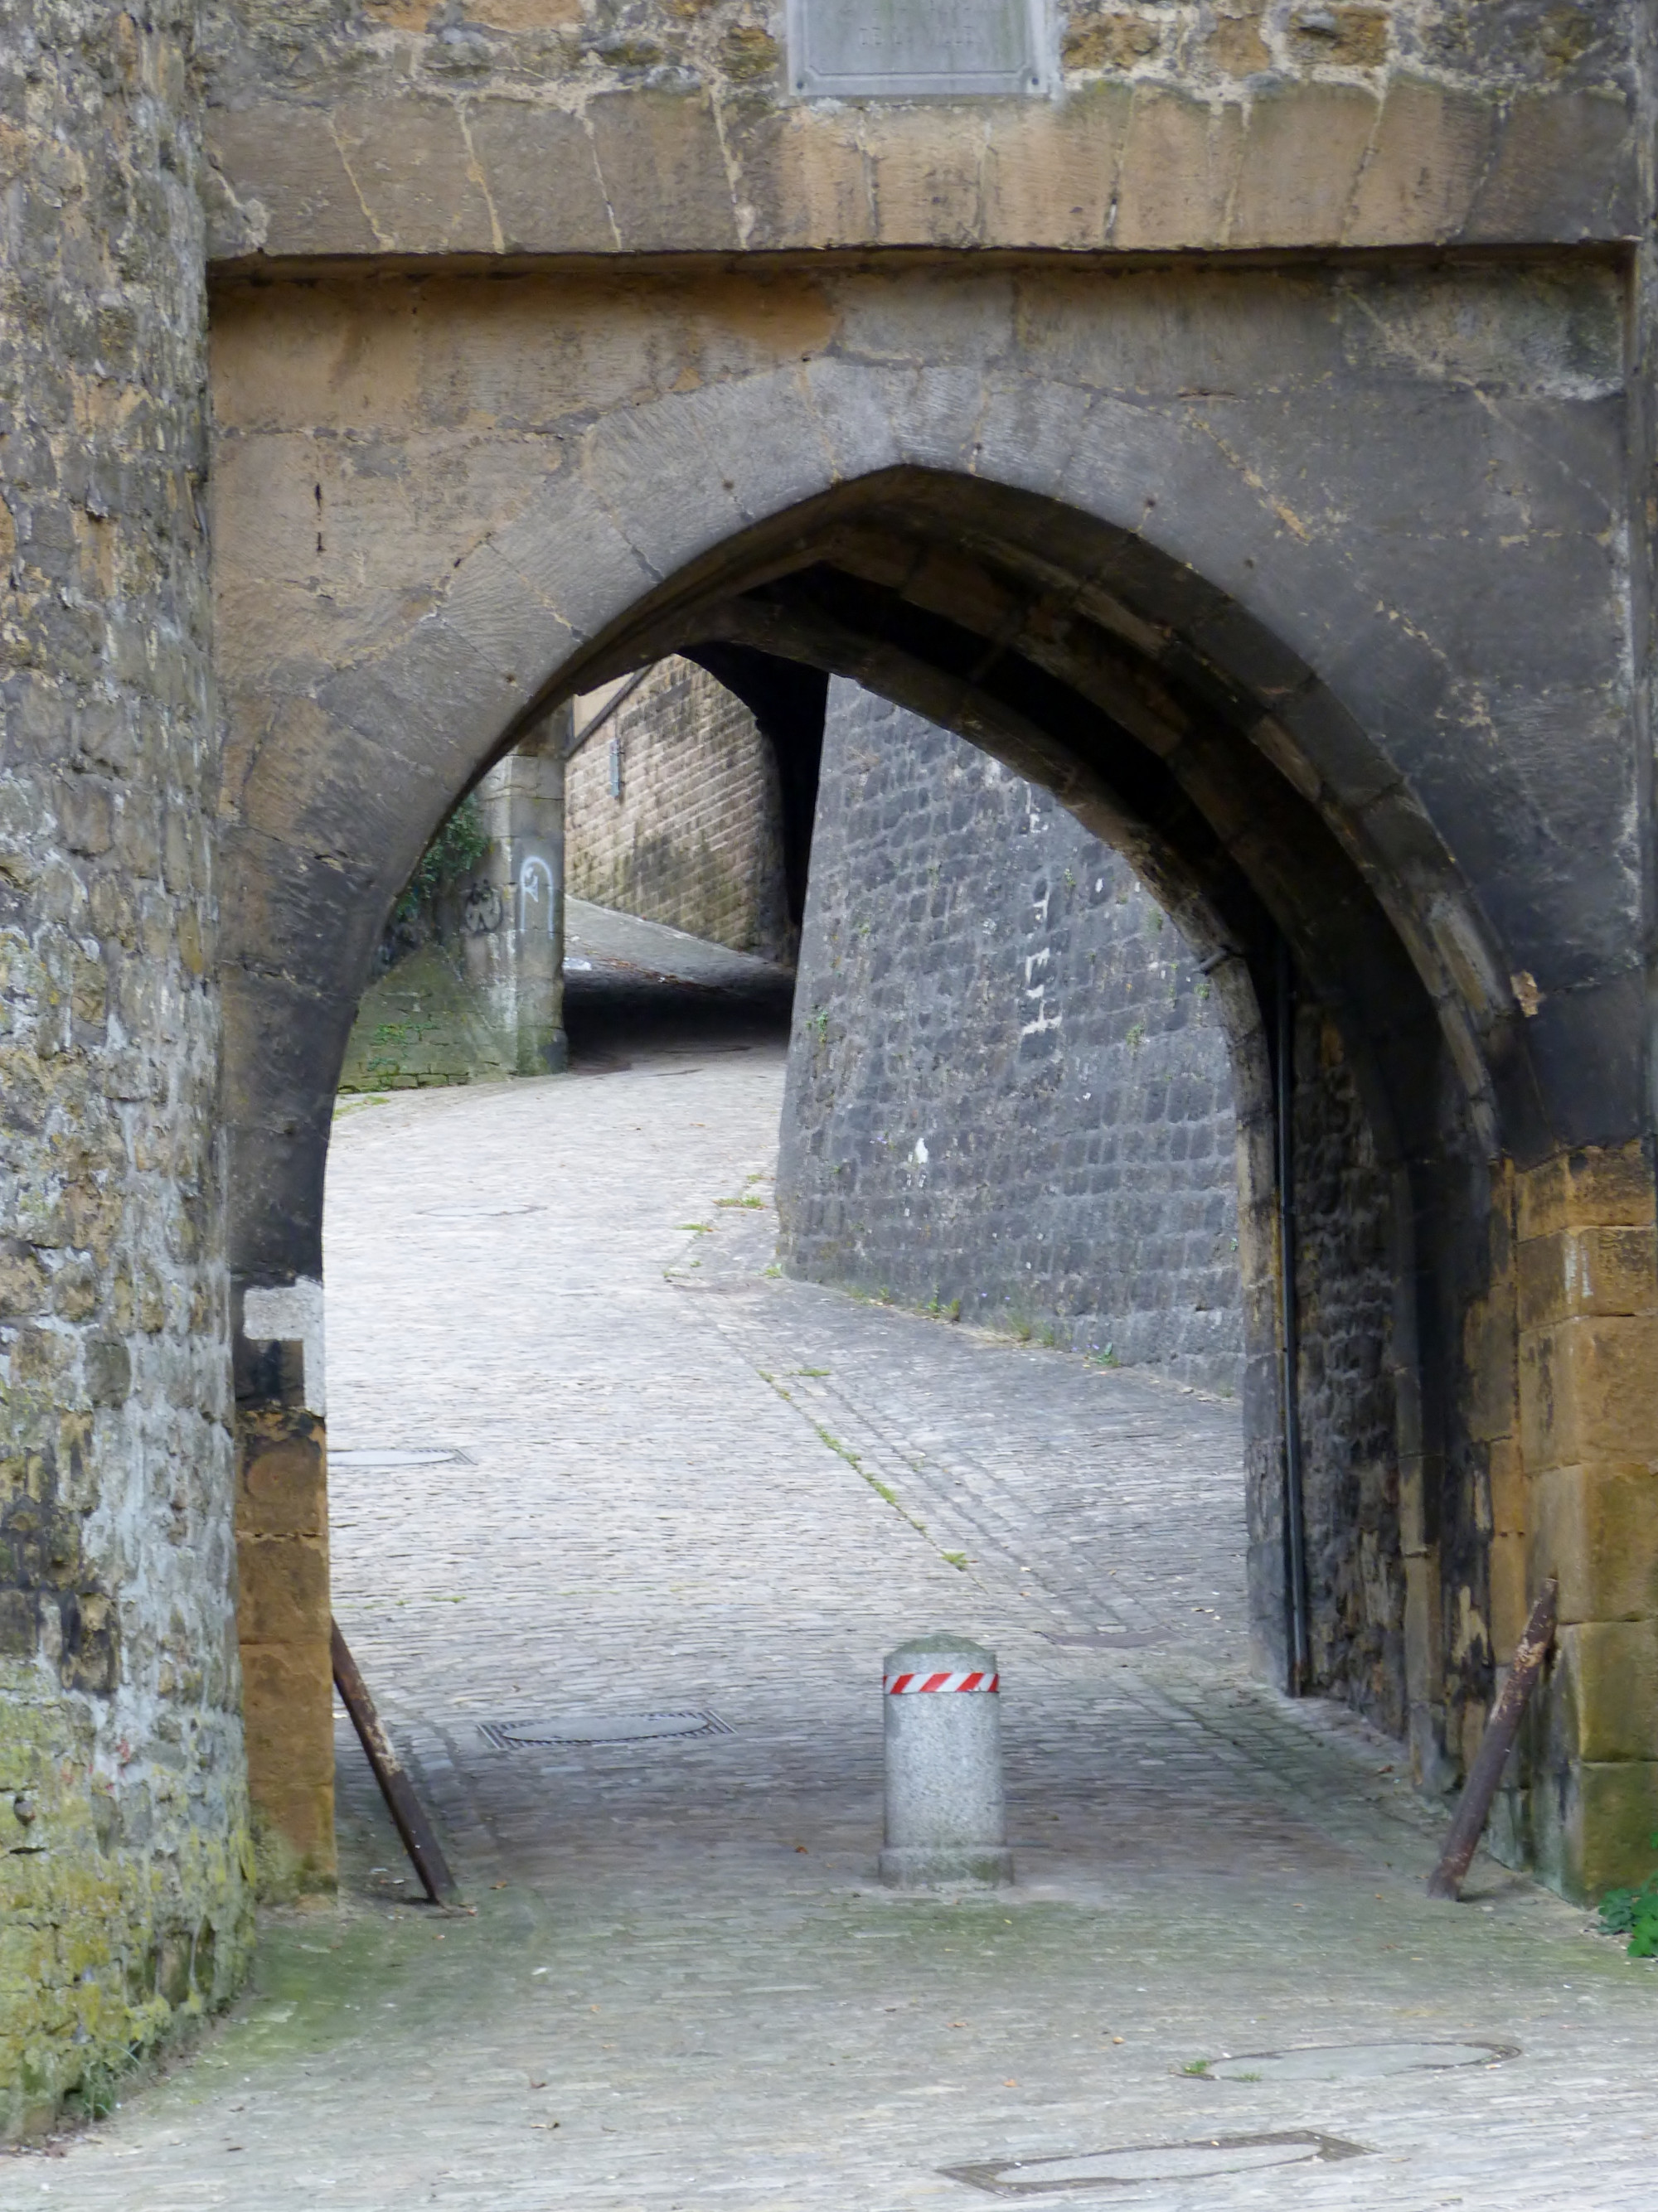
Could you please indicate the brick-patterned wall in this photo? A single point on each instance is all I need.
(1006, 1086)
(1008, 1091)
(695, 840)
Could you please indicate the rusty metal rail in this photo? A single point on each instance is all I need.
(1484, 1776)
(395, 1787)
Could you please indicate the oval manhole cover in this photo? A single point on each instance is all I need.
(1134, 2163)
(599, 1727)
(1355, 2062)
(1105, 1639)
(476, 1212)
(400, 1456)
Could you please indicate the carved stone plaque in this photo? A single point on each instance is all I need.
(898, 47)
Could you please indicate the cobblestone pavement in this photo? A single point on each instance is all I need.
(599, 941)
(660, 1479)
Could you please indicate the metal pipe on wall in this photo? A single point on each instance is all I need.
(1295, 1517)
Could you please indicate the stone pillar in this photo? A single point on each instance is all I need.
(284, 1608)
(1587, 1274)
(124, 1848)
(518, 961)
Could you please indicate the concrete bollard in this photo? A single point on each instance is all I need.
(946, 1822)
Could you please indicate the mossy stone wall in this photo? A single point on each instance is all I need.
(125, 1859)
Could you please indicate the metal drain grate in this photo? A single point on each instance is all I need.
(1208, 2158)
(600, 1728)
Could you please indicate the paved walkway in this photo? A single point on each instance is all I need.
(593, 1461)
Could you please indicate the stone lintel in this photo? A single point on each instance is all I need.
(1304, 164)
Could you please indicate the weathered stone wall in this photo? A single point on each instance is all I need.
(1010, 1093)
(673, 812)
(1345, 1242)
(359, 126)
(1007, 1093)
(468, 987)
(1299, 576)
(424, 1023)
(124, 1842)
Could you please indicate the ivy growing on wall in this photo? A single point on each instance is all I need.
(460, 845)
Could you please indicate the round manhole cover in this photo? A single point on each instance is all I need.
(599, 1727)
(1208, 2157)
(1355, 2062)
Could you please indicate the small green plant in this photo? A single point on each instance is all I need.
(458, 845)
(1137, 1036)
(1634, 1913)
(355, 1101)
(1105, 1357)
(698, 1228)
(955, 1559)
(1195, 2066)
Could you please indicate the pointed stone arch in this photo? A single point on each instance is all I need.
(1114, 591)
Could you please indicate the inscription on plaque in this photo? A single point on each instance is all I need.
(897, 46)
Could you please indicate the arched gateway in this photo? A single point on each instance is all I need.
(1215, 555)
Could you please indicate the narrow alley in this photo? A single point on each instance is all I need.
(596, 1467)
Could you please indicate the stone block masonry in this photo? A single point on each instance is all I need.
(673, 813)
(471, 986)
(1009, 1096)
(1007, 1092)
(124, 1838)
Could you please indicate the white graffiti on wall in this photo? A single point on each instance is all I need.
(529, 895)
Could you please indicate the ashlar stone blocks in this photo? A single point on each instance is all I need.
(283, 1619)
(1589, 1428)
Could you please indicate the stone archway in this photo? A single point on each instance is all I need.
(1211, 556)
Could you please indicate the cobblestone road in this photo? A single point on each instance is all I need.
(658, 1478)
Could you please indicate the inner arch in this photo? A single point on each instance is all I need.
(1175, 726)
